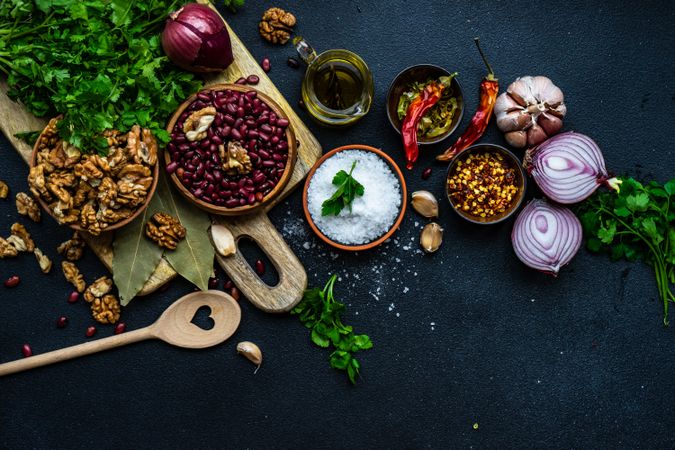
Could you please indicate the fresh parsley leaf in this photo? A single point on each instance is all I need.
(638, 222)
(233, 5)
(99, 64)
(348, 189)
(322, 314)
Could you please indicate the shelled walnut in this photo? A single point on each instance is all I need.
(235, 159)
(276, 25)
(106, 309)
(21, 239)
(91, 190)
(196, 125)
(98, 289)
(73, 275)
(4, 190)
(26, 206)
(7, 250)
(72, 249)
(43, 260)
(165, 230)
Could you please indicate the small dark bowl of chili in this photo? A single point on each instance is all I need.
(485, 184)
(418, 76)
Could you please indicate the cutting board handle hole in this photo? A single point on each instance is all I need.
(252, 253)
(202, 318)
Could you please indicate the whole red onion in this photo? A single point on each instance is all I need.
(195, 38)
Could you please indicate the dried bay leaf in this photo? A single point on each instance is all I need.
(134, 256)
(193, 259)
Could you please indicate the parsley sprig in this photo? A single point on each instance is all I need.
(348, 189)
(636, 223)
(321, 313)
(99, 63)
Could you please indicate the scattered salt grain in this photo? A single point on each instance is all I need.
(372, 214)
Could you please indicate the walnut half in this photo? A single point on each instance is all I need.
(43, 260)
(98, 289)
(73, 275)
(7, 250)
(4, 189)
(72, 249)
(106, 309)
(26, 206)
(235, 159)
(276, 26)
(165, 230)
(198, 122)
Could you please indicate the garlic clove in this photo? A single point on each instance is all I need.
(431, 237)
(251, 352)
(425, 204)
(223, 240)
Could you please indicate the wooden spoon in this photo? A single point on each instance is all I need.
(173, 326)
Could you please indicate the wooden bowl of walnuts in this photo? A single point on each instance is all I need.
(87, 191)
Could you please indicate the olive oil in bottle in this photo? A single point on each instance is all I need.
(338, 85)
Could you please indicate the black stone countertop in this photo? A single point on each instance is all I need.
(468, 335)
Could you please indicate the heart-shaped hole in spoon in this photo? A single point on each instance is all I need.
(203, 319)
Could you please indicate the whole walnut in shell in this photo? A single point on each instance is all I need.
(530, 111)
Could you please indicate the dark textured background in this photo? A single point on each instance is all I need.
(466, 335)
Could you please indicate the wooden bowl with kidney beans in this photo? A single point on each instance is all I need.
(248, 116)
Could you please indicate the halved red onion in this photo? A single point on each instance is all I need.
(195, 38)
(546, 236)
(568, 168)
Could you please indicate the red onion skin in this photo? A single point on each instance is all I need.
(546, 236)
(195, 38)
(568, 168)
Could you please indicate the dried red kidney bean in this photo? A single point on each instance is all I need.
(12, 281)
(213, 282)
(293, 63)
(266, 65)
(120, 328)
(90, 331)
(26, 350)
(61, 322)
(260, 267)
(228, 285)
(234, 292)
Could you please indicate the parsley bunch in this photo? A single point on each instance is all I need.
(97, 62)
(348, 189)
(638, 222)
(321, 313)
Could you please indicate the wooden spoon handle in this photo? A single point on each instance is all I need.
(292, 277)
(76, 351)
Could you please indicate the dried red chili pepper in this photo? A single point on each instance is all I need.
(429, 96)
(489, 88)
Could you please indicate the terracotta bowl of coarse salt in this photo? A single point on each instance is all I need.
(374, 216)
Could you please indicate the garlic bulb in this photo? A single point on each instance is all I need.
(530, 111)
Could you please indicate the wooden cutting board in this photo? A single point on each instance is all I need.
(14, 118)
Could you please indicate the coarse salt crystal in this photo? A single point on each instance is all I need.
(372, 214)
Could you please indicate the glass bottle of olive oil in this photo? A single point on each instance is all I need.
(338, 86)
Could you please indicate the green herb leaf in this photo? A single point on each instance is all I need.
(98, 63)
(638, 222)
(348, 189)
(233, 5)
(321, 313)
